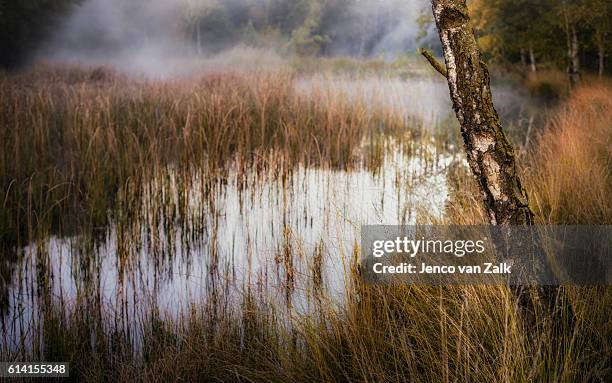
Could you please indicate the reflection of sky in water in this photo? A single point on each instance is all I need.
(311, 206)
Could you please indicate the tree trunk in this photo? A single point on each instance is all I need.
(523, 57)
(602, 59)
(574, 59)
(601, 53)
(532, 60)
(199, 36)
(489, 153)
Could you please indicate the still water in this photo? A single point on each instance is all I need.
(288, 234)
(284, 237)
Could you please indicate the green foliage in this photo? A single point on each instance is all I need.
(509, 29)
(309, 27)
(306, 39)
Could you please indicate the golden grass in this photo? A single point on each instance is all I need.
(566, 169)
(569, 169)
(383, 334)
(72, 138)
(101, 134)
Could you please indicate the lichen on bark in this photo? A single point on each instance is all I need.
(489, 153)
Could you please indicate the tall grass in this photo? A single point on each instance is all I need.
(379, 334)
(72, 138)
(569, 170)
(91, 144)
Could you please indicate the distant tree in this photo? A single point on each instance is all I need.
(514, 28)
(597, 18)
(307, 39)
(210, 25)
(571, 16)
(557, 31)
(287, 15)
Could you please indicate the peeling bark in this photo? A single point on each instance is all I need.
(489, 153)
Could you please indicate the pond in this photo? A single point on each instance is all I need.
(287, 234)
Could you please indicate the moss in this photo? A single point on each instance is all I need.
(504, 197)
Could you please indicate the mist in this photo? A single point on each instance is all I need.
(381, 28)
(132, 35)
(170, 37)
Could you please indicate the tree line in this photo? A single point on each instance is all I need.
(569, 34)
(305, 27)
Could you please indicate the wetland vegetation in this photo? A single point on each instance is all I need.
(204, 224)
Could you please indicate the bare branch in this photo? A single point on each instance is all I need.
(441, 68)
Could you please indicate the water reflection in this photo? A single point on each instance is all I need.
(285, 237)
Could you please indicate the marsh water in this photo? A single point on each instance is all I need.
(288, 234)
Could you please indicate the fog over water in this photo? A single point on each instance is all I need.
(153, 38)
(156, 37)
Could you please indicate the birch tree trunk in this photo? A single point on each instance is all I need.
(602, 60)
(489, 153)
(532, 60)
(601, 52)
(574, 59)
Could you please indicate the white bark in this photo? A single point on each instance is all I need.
(532, 60)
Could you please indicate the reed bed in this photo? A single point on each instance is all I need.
(73, 138)
(569, 169)
(123, 157)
